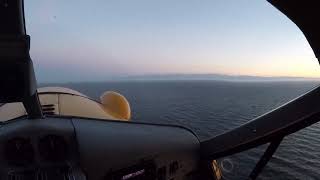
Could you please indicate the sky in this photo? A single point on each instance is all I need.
(95, 40)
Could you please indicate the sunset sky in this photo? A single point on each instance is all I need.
(95, 40)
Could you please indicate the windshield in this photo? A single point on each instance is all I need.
(207, 65)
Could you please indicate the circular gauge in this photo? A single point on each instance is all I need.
(19, 151)
(53, 148)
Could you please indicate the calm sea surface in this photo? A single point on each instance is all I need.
(210, 108)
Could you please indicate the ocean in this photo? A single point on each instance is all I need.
(210, 108)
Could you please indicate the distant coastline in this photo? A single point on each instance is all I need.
(219, 77)
(186, 77)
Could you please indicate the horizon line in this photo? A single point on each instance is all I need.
(192, 76)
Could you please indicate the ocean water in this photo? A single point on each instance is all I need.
(210, 108)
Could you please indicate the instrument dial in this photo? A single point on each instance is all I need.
(53, 148)
(19, 151)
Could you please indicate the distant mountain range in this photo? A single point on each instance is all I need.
(174, 77)
(218, 77)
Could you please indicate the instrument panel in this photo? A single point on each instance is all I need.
(76, 148)
(21, 151)
(31, 149)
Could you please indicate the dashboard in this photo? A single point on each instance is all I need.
(76, 148)
(36, 149)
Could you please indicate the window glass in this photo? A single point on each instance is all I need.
(207, 65)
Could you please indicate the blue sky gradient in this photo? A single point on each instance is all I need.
(102, 39)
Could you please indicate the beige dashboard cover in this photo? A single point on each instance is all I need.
(67, 102)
